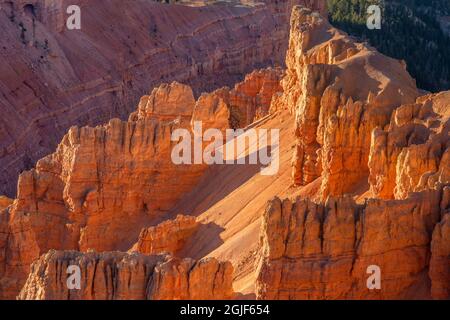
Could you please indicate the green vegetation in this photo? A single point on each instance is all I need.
(410, 31)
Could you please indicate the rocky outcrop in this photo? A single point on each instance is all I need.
(53, 78)
(5, 202)
(358, 118)
(371, 190)
(440, 253)
(250, 99)
(314, 251)
(340, 91)
(413, 153)
(169, 236)
(78, 197)
(247, 102)
(166, 102)
(119, 276)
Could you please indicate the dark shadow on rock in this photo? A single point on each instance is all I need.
(216, 184)
(205, 240)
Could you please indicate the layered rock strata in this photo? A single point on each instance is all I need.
(79, 197)
(359, 122)
(169, 236)
(326, 251)
(340, 91)
(352, 216)
(53, 78)
(120, 276)
(413, 152)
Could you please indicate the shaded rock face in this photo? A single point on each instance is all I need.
(314, 251)
(440, 258)
(247, 102)
(413, 153)
(339, 91)
(79, 197)
(250, 99)
(119, 276)
(169, 236)
(358, 119)
(53, 78)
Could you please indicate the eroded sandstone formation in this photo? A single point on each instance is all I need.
(101, 186)
(359, 122)
(323, 251)
(370, 189)
(440, 258)
(119, 276)
(53, 78)
(79, 197)
(5, 202)
(413, 153)
(340, 91)
(250, 99)
(169, 236)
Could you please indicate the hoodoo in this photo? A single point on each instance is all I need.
(357, 208)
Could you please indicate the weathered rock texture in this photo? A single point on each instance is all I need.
(358, 119)
(370, 164)
(101, 186)
(5, 202)
(118, 276)
(315, 251)
(440, 258)
(340, 91)
(53, 78)
(413, 153)
(104, 184)
(250, 100)
(247, 102)
(169, 236)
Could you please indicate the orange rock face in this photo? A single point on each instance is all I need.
(313, 251)
(78, 197)
(339, 91)
(5, 202)
(363, 171)
(247, 102)
(169, 236)
(413, 153)
(54, 78)
(440, 258)
(250, 100)
(358, 120)
(119, 276)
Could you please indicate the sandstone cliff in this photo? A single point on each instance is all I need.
(369, 189)
(119, 276)
(53, 78)
(169, 236)
(413, 153)
(359, 123)
(78, 197)
(339, 91)
(323, 251)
